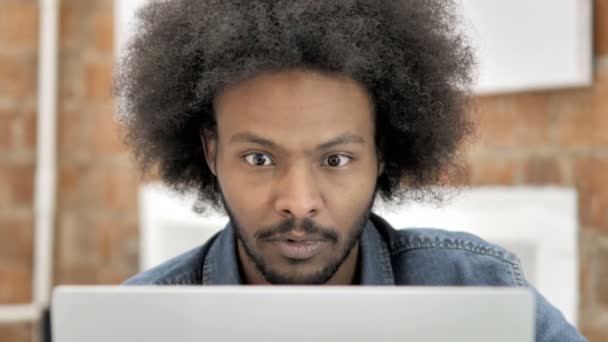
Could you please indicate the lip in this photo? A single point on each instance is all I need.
(300, 250)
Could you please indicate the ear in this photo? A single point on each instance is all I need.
(209, 142)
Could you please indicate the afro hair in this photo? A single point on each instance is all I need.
(410, 55)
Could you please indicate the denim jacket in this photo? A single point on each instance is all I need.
(419, 257)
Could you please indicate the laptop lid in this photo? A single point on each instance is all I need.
(323, 314)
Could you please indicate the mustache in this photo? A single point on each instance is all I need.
(309, 227)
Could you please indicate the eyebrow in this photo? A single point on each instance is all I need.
(343, 139)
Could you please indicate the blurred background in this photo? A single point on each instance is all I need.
(74, 209)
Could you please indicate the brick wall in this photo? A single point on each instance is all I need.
(18, 57)
(536, 138)
(96, 221)
(96, 227)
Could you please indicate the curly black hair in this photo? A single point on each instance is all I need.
(410, 55)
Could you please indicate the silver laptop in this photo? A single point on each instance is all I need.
(295, 314)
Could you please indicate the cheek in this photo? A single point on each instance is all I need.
(245, 195)
(353, 185)
(347, 196)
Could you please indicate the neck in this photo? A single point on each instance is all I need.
(344, 276)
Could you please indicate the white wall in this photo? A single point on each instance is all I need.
(530, 44)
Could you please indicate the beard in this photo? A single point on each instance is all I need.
(318, 277)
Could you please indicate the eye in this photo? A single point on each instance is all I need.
(258, 159)
(337, 160)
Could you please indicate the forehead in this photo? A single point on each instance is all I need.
(291, 104)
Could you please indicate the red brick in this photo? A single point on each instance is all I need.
(105, 252)
(513, 120)
(581, 114)
(23, 186)
(17, 241)
(600, 21)
(76, 275)
(118, 241)
(69, 186)
(6, 132)
(17, 332)
(19, 24)
(70, 135)
(30, 129)
(107, 134)
(98, 81)
(542, 171)
(19, 75)
(12, 124)
(75, 18)
(595, 332)
(112, 187)
(71, 82)
(18, 185)
(103, 30)
(68, 18)
(592, 185)
(78, 244)
(112, 275)
(16, 285)
(494, 171)
(602, 277)
(587, 250)
(584, 277)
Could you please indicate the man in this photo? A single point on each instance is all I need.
(292, 116)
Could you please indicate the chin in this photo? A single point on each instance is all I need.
(313, 275)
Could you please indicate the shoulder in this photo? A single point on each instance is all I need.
(443, 257)
(184, 269)
(411, 239)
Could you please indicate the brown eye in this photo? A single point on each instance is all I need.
(258, 159)
(337, 160)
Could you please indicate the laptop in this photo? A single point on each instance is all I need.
(291, 313)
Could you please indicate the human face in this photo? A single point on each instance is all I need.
(295, 158)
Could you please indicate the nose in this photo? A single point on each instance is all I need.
(297, 193)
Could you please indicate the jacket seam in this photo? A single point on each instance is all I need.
(517, 274)
(477, 250)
